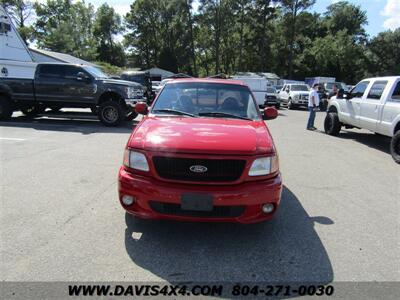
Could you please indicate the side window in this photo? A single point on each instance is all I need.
(51, 71)
(396, 93)
(71, 72)
(359, 89)
(377, 89)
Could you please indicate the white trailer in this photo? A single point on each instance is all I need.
(15, 58)
(258, 86)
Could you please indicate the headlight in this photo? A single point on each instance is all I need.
(133, 92)
(135, 160)
(296, 97)
(264, 166)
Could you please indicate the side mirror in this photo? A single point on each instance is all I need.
(270, 113)
(347, 95)
(141, 108)
(82, 77)
(287, 90)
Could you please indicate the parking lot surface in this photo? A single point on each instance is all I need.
(61, 219)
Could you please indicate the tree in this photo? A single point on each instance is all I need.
(384, 54)
(107, 25)
(159, 34)
(292, 8)
(66, 27)
(345, 16)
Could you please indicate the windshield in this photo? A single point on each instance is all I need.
(271, 90)
(299, 87)
(206, 100)
(339, 85)
(95, 72)
(142, 79)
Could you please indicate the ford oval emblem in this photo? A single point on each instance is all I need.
(198, 169)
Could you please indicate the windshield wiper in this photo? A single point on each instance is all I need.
(222, 115)
(174, 111)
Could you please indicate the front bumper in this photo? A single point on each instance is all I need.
(132, 102)
(249, 195)
(300, 101)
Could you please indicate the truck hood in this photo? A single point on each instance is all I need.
(121, 82)
(202, 135)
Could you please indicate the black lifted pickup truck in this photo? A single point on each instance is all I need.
(59, 85)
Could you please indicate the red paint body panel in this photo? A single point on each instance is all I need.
(201, 138)
(202, 135)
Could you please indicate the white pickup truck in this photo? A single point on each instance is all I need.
(294, 95)
(373, 104)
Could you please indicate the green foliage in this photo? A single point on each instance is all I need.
(108, 68)
(106, 25)
(221, 36)
(384, 54)
(65, 26)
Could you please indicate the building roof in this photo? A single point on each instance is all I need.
(62, 57)
(155, 70)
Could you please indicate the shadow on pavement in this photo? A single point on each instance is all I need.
(85, 123)
(378, 142)
(286, 249)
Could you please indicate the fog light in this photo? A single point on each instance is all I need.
(127, 200)
(268, 208)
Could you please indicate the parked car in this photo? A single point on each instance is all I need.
(373, 104)
(58, 85)
(271, 98)
(143, 78)
(294, 95)
(202, 152)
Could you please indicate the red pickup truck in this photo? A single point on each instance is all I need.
(202, 152)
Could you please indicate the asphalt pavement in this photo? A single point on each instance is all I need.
(61, 219)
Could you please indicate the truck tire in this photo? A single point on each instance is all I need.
(111, 113)
(332, 124)
(5, 108)
(395, 147)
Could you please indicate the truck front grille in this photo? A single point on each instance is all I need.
(218, 170)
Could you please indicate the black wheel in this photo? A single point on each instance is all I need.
(395, 147)
(277, 106)
(32, 111)
(131, 116)
(111, 113)
(290, 104)
(5, 108)
(332, 124)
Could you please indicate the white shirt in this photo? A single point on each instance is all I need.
(313, 93)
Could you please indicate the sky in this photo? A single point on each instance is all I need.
(382, 14)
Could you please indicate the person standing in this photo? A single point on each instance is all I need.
(313, 102)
